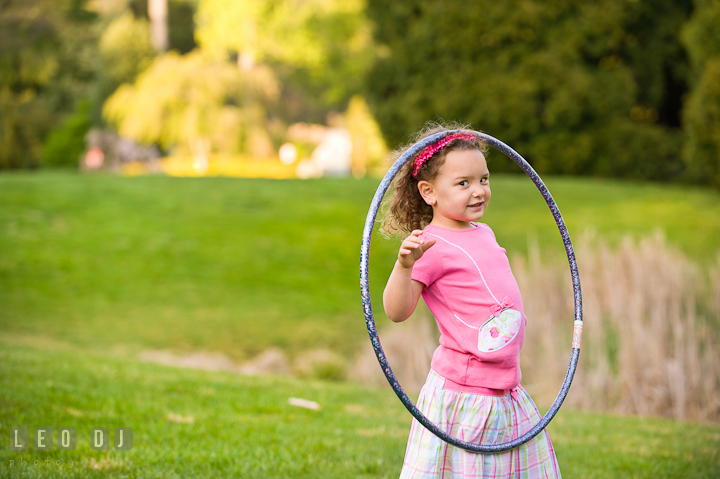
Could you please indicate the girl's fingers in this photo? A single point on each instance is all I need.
(412, 242)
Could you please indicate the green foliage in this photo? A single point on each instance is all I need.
(702, 123)
(56, 53)
(702, 110)
(126, 48)
(47, 64)
(320, 49)
(576, 87)
(369, 149)
(701, 35)
(125, 45)
(196, 99)
(181, 26)
(610, 88)
(65, 145)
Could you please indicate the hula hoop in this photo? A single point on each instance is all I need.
(370, 321)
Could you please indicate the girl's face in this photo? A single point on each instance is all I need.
(461, 191)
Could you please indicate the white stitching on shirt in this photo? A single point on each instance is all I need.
(466, 324)
(471, 259)
(477, 328)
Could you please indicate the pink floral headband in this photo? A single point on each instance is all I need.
(430, 150)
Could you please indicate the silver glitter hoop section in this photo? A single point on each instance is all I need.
(367, 303)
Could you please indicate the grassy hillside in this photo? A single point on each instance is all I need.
(236, 265)
(689, 216)
(190, 423)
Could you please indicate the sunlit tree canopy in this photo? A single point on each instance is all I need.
(329, 40)
(181, 99)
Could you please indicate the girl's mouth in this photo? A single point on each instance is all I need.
(476, 205)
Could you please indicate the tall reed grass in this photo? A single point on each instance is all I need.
(650, 342)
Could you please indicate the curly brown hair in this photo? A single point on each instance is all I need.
(404, 209)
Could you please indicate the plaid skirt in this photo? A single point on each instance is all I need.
(482, 419)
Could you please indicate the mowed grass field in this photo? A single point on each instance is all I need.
(94, 269)
(189, 423)
(239, 265)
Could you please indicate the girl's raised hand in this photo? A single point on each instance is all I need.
(412, 249)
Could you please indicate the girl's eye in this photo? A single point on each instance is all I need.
(463, 183)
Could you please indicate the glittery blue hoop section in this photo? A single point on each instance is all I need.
(370, 321)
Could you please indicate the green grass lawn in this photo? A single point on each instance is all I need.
(95, 268)
(238, 265)
(189, 423)
(688, 216)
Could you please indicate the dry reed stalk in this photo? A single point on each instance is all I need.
(650, 342)
(408, 346)
(651, 329)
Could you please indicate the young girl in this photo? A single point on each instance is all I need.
(473, 389)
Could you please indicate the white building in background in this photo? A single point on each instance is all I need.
(333, 156)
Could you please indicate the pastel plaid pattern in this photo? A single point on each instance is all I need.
(480, 419)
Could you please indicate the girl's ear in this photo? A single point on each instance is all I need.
(427, 192)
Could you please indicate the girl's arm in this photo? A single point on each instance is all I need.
(402, 292)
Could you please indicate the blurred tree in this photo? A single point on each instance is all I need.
(197, 103)
(576, 87)
(180, 22)
(47, 64)
(701, 115)
(369, 149)
(126, 48)
(181, 25)
(66, 144)
(320, 49)
(125, 51)
(157, 11)
(56, 54)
